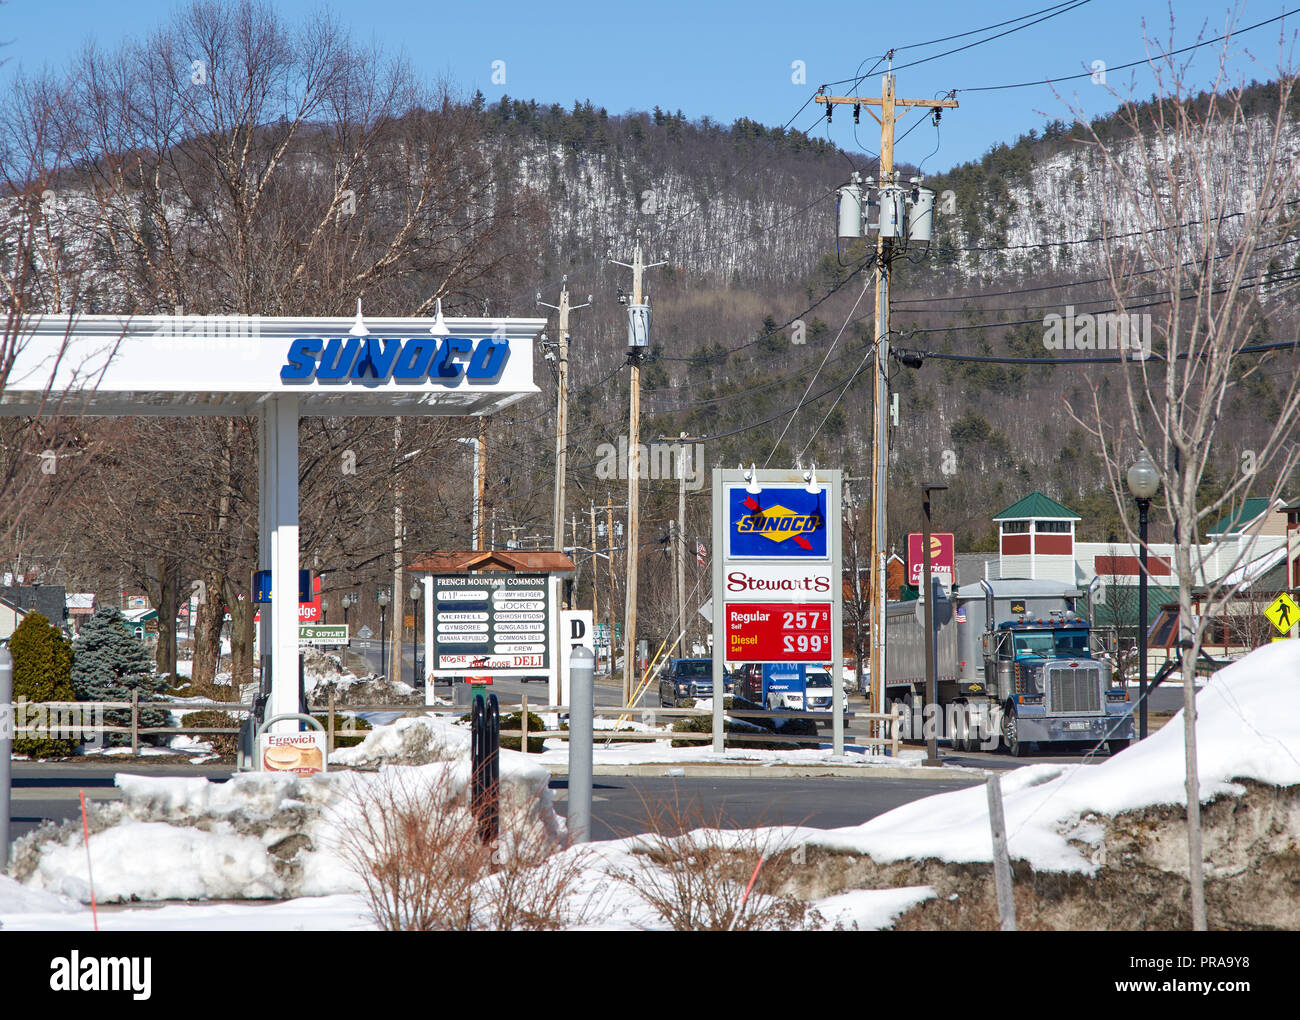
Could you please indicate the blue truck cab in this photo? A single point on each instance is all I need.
(1051, 685)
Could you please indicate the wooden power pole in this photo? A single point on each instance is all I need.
(609, 550)
(481, 484)
(638, 343)
(561, 407)
(891, 109)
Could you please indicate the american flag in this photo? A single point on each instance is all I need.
(961, 614)
(700, 553)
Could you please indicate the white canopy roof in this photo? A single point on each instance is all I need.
(229, 365)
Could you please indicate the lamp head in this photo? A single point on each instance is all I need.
(1143, 478)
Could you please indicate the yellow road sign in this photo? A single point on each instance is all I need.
(1283, 613)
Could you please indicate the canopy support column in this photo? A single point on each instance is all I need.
(278, 539)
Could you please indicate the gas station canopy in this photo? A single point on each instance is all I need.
(231, 365)
(279, 369)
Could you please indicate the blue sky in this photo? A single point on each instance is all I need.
(737, 59)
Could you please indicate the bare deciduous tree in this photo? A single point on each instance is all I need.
(1200, 198)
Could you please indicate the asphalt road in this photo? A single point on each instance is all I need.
(623, 806)
(620, 805)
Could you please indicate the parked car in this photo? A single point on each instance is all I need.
(819, 690)
(689, 678)
(747, 682)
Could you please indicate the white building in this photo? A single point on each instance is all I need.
(1036, 539)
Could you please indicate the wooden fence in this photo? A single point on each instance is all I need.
(621, 714)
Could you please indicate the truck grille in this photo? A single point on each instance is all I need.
(1074, 690)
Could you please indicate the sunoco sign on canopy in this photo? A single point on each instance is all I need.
(411, 361)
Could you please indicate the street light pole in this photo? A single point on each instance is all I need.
(416, 592)
(348, 601)
(931, 682)
(1143, 483)
(383, 598)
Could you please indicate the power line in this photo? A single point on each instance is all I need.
(1067, 4)
(1080, 283)
(981, 42)
(986, 28)
(1136, 63)
(1008, 360)
(866, 263)
(793, 414)
(1287, 277)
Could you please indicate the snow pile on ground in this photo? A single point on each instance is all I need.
(1248, 728)
(16, 898)
(257, 836)
(410, 740)
(324, 674)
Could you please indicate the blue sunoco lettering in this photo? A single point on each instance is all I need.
(407, 362)
(301, 363)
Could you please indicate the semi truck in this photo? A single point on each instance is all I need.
(1016, 663)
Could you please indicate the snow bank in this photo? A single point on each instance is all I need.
(16, 898)
(257, 836)
(1248, 727)
(324, 674)
(871, 909)
(411, 739)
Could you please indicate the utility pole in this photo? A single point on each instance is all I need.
(399, 531)
(562, 406)
(638, 342)
(595, 577)
(683, 458)
(573, 603)
(890, 232)
(481, 485)
(609, 549)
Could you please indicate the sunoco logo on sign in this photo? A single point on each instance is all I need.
(408, 362)
(777, 522)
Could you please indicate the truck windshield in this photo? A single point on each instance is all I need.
(695, 668)
(1071, 642)
(1047, 643)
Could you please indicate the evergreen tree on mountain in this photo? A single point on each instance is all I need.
(108, 663)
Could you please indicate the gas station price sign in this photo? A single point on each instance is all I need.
(778, 631)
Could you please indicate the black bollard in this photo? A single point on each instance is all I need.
(492, 812)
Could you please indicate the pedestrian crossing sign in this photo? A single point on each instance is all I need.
(1283, 613)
